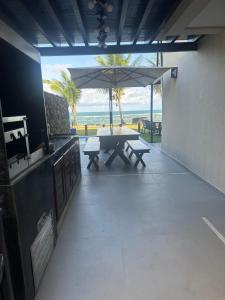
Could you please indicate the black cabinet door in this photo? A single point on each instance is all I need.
(77, 154)
(60, 194)
(67, 173)
(73, 165)
(6, 289)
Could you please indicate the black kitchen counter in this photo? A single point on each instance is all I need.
(61, 141)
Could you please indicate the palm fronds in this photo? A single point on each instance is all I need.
(66, 88)
(120, 60)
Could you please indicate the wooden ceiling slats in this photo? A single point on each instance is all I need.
(70, 22)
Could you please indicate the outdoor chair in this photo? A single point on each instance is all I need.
(156, 127)
(146, 126)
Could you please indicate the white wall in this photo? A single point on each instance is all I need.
(194, 110)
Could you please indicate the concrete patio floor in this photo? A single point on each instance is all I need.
(140, 234)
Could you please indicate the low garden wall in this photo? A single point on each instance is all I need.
(57, 114)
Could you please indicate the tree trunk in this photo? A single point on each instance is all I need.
(74, 115)
(117, 97)
(120, 111)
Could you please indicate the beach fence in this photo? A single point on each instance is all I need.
(91, 129)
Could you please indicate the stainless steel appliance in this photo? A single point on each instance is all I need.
(18, 131)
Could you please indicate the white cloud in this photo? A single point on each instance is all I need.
(53, 71)
(92, 97)
(132, 96)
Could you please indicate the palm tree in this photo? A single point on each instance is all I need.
(66, 88)
(118, 60)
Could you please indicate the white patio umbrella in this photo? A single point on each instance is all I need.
(116, 77)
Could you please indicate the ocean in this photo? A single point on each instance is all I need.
(103, 117)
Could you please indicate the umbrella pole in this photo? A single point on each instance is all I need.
(151, 113)
(110, 108)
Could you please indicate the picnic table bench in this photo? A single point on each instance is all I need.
(138, 148)
(92, 149)
(93, 139)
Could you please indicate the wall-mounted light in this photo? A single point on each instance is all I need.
(174, 72)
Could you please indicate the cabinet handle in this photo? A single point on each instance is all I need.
(1, 267)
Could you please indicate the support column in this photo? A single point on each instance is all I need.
(110, 108)
(151, 112)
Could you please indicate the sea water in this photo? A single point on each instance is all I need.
(128, 116)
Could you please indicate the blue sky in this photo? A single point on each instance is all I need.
(91, 99)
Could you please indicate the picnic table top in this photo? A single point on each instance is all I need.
(116, 131)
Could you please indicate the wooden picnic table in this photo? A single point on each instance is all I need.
(114, 138)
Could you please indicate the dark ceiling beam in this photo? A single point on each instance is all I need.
(199, 38)
(36, 21)
(53, 14)
(79, 18)
(143, 20)
(173, 40)
(122, 19)
(94, 50)
(154, 35)
(10, 19)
